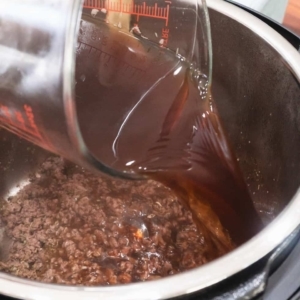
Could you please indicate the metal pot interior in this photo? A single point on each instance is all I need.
(257, 95)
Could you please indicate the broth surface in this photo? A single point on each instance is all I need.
(73, 227)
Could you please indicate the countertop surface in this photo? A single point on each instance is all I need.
(286, 12)
(292, 16)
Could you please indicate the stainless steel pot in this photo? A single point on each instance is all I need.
(257, 88)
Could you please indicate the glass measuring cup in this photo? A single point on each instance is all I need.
(125, 51)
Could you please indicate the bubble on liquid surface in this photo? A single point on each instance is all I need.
(201, 81)
(137, 226)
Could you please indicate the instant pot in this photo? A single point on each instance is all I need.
(256, 85)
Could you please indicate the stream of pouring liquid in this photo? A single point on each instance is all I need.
(168, 131)
(203, 172)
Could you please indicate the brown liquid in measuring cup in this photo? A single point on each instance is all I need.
(161, 128)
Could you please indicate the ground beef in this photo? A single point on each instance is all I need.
(70, 226)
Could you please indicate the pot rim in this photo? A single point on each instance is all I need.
(216, 271)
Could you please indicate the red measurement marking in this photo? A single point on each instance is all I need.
(152, 11)
(15, 122)
(19, 122)
(5, 111)
(30, 116)
(20, 119)
(27, 134)
(165, 35)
